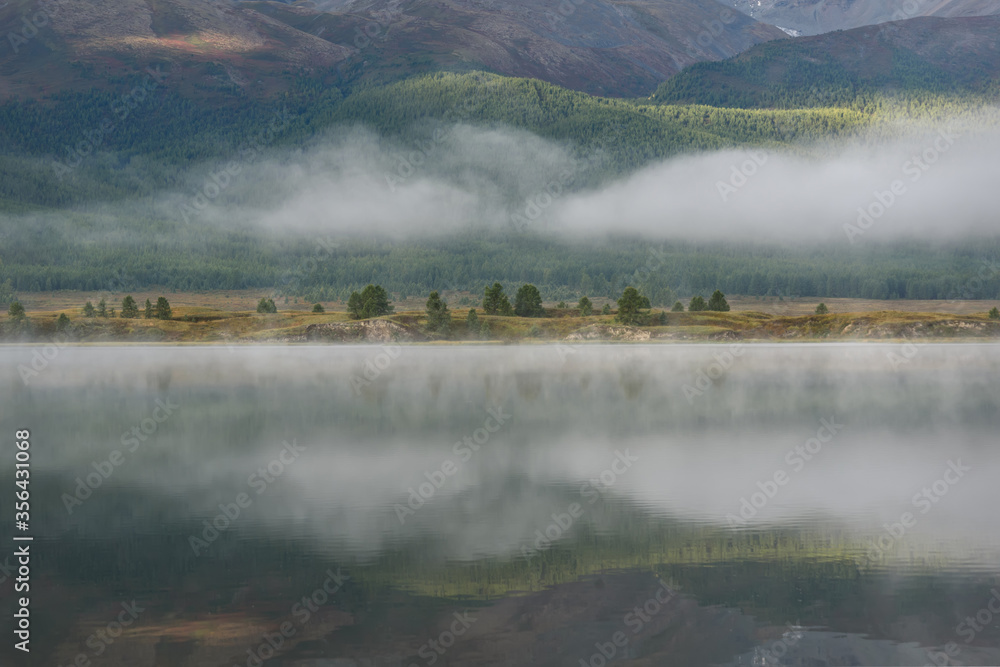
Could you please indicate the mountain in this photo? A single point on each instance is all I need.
(956, 56)
(812, 17)
(609, 47)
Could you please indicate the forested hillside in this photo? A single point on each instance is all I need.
(919, 59)
(153, 146)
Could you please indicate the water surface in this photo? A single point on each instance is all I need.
(511, 505)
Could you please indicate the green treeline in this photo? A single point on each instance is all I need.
(134, 259)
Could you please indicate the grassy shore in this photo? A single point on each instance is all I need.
(198, 324)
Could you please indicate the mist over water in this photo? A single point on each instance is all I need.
(412, 465)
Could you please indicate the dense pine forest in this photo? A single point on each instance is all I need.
(67, 162)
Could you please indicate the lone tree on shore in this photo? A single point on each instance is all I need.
(718, 303)
(495, 301)
(995, 314)
(16, 310)
(129, 307)
(163, 311)
(373, 301)
(585, 306)
(266, 306)
(438, 315)
(62, 323)
(821, 309)
(528, 302)
(318, 308)
(630, 306)
(697, 304)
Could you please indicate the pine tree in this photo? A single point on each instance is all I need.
(16, 310)
(697, 304)
(438, 315)
(585, 306)
(163, 311)
(129, 307)
(678, 307)
(528, 302)
(266, 306)
(318, 308)
(148, 312)
(717, 302)
(821, 309)
(629, 306)
(102, 308)
(373, 301)
(495, 302)
(472, 321)
(88, 310)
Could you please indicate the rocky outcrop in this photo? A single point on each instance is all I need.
(607, 332)
(366, 331)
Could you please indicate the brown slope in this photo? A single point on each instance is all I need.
(610, 47)
(208, 46)
(614, 47)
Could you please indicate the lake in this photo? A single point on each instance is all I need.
(726, 504)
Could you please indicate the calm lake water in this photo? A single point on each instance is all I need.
(508, 505)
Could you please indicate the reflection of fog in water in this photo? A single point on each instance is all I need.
(612, 424)
(572, 408)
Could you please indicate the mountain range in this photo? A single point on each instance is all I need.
(812, 17)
